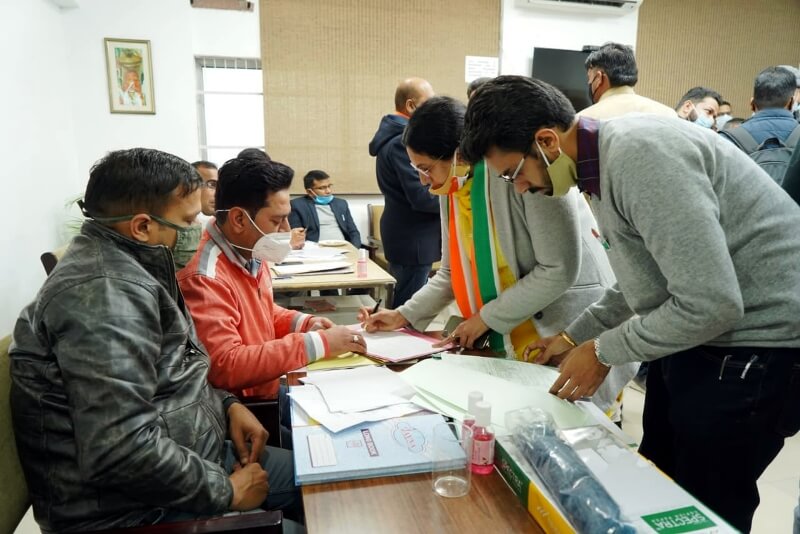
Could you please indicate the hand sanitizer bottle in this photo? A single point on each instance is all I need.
(482, 440)
(361, 264)
(469, 417)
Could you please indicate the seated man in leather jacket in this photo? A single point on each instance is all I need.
(115, 421)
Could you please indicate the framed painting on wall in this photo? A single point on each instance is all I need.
(130, 76)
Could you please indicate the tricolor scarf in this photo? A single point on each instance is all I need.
(479, 270)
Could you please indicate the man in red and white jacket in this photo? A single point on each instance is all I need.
(251, 340)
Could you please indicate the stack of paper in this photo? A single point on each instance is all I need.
(399, 345)
(310, 254)
(321, 267)
(444, 385)
(339, 399)
(391, 447)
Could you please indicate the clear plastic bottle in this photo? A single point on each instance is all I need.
(361, 264)
(469, 417)
(482, 440)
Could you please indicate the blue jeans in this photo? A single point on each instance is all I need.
(410, 278)
(715, 417)
(283, 494)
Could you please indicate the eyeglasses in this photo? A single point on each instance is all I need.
(424, 172)
(327, 187)
(211, 184)
(510, 179)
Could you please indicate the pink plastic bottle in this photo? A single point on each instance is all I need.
(482, 440)
(361, 264)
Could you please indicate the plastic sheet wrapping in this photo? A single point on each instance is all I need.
(585, 501)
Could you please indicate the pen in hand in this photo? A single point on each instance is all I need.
(377, 305)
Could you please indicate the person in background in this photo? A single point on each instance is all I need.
(227, 286)
(772, 104)
(410, 220)
(705, 249)
(724, 115)
(699, 105)
(208, 172)
(475, 84)
(323, 216)
(611, 74)
(253, 153)
(115, 421)
(297, 236)
(796, 72)
(732, 123)
(518, 266)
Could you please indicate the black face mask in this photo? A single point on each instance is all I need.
(590, 92)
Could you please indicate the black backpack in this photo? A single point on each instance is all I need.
(773, 155)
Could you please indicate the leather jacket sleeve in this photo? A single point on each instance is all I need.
(109, 360)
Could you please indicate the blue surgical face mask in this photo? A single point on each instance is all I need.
(702, 119)
(323, 200)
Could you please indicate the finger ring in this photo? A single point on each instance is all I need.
(355, 339)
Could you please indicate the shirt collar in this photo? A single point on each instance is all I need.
(613, 91)
(251, 266)
(588, 164)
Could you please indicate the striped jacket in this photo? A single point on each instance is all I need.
(251, 340)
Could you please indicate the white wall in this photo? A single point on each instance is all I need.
(522, 29)
(37, 147)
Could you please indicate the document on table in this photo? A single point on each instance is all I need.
(314, 267)
(452, 383)
(399, 345)
(343, 361)
(313, 254)
(360, 389)
(523, 373)
(310, 400)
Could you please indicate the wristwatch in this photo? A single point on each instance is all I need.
(597, 353)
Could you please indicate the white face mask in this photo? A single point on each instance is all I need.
(272, 247)
(722, 120)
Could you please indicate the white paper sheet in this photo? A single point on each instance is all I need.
(359, 389)
(452, 384)
(526, 374)
(310, 400)
(397, 346)
(313, 267)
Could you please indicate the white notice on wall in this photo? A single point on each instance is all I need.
(479, 67)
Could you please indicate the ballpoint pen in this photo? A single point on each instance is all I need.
(377, 305)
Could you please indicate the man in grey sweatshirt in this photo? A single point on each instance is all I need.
(706, 253)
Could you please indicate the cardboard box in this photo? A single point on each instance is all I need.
(649, 500)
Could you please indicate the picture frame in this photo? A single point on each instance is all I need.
(129, 68)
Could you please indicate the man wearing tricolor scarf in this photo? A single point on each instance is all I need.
(517, 267)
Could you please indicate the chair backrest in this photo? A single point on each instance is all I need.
(50, 259)
(14, 502)
(374, 213)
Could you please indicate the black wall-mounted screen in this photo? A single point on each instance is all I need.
(565, 70)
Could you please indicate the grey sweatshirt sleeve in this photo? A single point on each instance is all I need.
(426, 303)
(610, 311)
(554, 229)
(669, 212)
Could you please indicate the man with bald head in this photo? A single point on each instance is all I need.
(410, 220)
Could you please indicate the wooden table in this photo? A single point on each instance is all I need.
(376, 279)
(407, 504)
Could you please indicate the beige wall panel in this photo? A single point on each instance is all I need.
(331, 68)
(720, 44)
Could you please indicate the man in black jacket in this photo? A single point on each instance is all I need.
(410, 223)
(115, 421)
(323, 216)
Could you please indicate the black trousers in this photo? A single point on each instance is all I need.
(715, 417)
